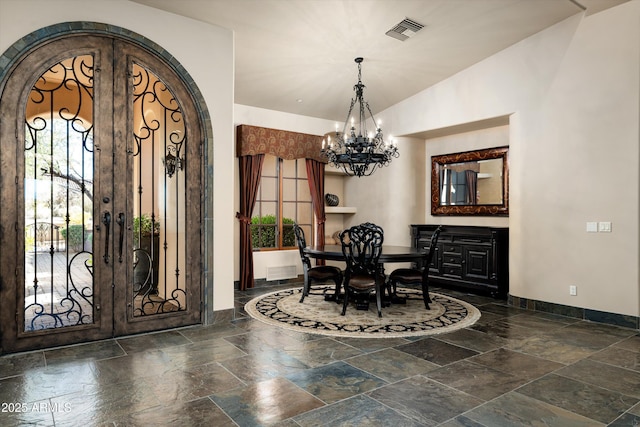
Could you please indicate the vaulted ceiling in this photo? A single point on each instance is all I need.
(297, 56)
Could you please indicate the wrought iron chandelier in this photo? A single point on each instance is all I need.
(359, 153)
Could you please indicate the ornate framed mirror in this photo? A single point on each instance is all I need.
(471, 183)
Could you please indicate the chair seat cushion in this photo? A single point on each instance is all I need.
(324, 272)
(362, 282)
(406, 275)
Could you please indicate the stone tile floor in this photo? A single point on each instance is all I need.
(512, 368)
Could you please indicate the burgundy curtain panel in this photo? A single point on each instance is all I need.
(250, 171)
(315, 176)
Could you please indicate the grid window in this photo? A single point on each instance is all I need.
(283, 198)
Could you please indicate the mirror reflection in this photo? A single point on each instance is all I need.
(470, 183)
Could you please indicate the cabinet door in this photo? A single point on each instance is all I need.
(476, 263)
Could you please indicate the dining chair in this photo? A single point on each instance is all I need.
(317, 274)
(361, 247)
(386, 283)
(414, 276)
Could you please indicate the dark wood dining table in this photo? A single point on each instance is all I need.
(389, 254)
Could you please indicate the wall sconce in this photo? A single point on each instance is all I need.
(171, 163)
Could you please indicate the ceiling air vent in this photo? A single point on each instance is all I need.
(405, 29)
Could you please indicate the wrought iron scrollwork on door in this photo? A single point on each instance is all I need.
(158, 166)
(58, 188)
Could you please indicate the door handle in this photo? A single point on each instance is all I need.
(106, 220)
(120, 222)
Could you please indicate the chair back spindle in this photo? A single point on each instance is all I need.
(362, 247)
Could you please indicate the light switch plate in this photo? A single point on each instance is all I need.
(604, 227)
(592, 227)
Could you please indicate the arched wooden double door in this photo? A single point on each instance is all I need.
(100, 187)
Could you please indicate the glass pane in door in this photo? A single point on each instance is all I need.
(58, 197)
(158, 194)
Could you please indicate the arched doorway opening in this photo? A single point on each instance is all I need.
(104, 140)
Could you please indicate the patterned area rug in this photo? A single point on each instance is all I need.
(317, 316)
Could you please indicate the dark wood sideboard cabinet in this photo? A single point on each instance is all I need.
(467, 257)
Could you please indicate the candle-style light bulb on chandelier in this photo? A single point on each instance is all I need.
(359, 153)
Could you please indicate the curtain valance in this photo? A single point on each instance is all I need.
(252, 140)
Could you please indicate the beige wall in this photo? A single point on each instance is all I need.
(456, 143)
(572, 94)
(393, 197)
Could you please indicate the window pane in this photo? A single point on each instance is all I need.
(263, 236)
(289, 190)
(268, 209)
(302, 168)
(288, 236)
(268, 189)
(289, 168)
(304, 195)
(289, 211)
(288, 176)
(269, 165)
(305, 213)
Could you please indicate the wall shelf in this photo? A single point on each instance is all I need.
(339, 210)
